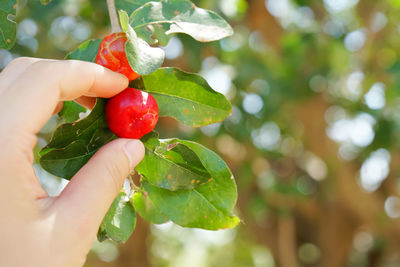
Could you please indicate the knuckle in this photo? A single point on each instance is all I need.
(77, 66)
(115, 174)
(68, 65)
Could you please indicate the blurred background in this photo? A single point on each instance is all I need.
(313, 139)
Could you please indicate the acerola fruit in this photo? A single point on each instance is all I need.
(112, 55)
(131, 113)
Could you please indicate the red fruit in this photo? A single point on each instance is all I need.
(112, 55)
(132, 113)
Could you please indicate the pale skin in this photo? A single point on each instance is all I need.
(35, 229)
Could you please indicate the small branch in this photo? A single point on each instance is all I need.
(131, 180)
(134, 187)
(115, 27)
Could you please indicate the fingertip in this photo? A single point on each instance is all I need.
(134, 150)
(99, 81)
(86, 78)
(123, 81)
(109, 83)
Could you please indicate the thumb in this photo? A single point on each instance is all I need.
(91, 191)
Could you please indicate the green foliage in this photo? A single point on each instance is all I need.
(142, 58)
(185, 96)
(156, 19)
(201, 207)
(188, 183)
(70, 111)
(8, 27)
(129, 5)
(73, 144)
(86, 51)
(182, 181)
(146, 209)
(171, 165)
(120, 220)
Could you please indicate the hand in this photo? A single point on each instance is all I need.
(35, 229)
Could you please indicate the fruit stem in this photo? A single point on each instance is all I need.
(134, 188)
(115, 27)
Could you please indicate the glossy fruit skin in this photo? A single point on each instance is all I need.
(112, 55)
(131, 113)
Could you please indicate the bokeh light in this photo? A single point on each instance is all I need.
(358, 130)
(267, 137)
(392, 207)
(375, 98)
(173, 49)
(375, 169)
(252, 103)
(355, 40)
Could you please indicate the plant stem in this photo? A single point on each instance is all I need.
(115, 27)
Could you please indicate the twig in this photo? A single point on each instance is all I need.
(115, 27)
(134, 187)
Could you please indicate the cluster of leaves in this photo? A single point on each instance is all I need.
(182, 181)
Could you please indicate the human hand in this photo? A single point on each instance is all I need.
(35, 229)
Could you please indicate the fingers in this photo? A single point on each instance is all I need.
(18, 181)
(13, 70)
(95, 80)
(30, 90)
(92, 190)
(31, 98)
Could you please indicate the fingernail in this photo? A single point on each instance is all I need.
(134, 150)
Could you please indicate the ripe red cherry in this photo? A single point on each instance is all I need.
(132, 113)
(112, 55)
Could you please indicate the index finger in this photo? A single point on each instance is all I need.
(27, 104)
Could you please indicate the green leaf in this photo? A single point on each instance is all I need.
(67, 161)
(70, 111)
(8, 28)
(87, 51)
(221, 189)
(73, 144)
(171, 165)
(129, 5)
(190, 208)
(142, 58)
(80, 130)
(207, 204)
(154, 34)
(147, 210)
(178, 16)
(120, 220)
(185, 96)
(123, 20)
